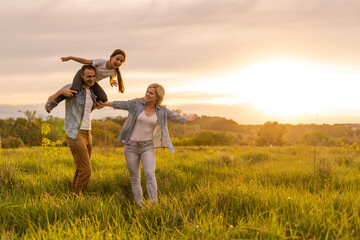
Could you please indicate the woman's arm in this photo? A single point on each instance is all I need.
(67, 92)
(178, 118)
(77, 59)
(123, 105)
(104, 104)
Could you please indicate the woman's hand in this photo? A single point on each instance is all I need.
(100, 104)
(192, 117)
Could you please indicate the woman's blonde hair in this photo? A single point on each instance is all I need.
(160, 92)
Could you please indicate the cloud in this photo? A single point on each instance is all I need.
(167, 41)
(195, 35)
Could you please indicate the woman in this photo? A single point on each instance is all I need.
(145, 129)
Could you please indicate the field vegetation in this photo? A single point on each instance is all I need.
(205, 131)
(228, 192)
(225, 181)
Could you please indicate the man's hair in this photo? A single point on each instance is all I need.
(87, 66)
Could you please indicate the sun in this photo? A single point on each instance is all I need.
(283, 87)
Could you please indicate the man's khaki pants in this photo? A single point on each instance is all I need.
(81, 150)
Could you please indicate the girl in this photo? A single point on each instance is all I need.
(104, 68)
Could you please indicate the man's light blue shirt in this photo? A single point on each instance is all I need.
(74, 111)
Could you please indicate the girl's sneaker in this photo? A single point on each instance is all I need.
(50, 106)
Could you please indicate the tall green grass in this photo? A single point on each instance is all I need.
(204, 193)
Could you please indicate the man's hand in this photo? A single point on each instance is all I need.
(67, 92)
(98, 106)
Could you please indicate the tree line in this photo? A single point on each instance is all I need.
(205, 130)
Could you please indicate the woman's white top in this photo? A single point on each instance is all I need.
(144, 127)
(86, 121)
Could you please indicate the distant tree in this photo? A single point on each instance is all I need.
(219, 124)
(211, 138)
(30, 115)
(271, 133)
(176, 129)
(119, 120)
(12, 142)
(105, 133)
(33, 136)
(317, 138)
(56, 125)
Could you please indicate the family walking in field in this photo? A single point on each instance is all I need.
(144, 129)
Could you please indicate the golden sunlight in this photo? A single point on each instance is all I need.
(281, 87)
(288, 87)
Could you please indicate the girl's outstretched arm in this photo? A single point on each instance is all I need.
(77, 59)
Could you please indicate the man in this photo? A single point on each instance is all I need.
(77, 126)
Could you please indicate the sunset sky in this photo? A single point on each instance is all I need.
(291, 61)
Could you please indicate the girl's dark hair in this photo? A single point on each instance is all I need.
(118, 74)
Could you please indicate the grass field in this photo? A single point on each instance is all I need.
(204, 193)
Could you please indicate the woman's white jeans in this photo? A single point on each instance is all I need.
(134, 153)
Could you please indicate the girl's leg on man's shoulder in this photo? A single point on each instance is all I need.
(78, 82)
(76, 85)
(99, 92)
